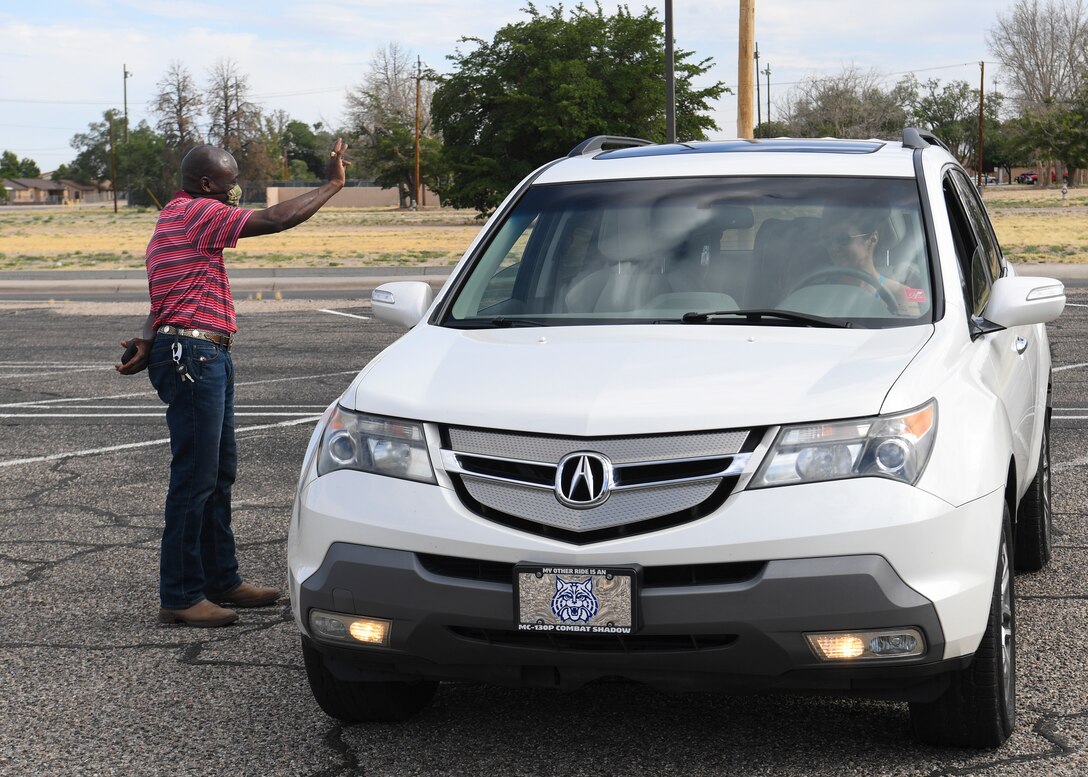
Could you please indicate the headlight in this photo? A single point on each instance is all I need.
(369, 443)
(894, 446)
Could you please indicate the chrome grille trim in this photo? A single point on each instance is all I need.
(528, 481)
(454, 462)
(516, 446)
(620, 510)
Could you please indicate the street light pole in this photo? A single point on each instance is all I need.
(670, 78)
(419, 80)
(127, 75)
(768, 74)
(759, 117)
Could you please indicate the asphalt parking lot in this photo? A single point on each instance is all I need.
(92, 684)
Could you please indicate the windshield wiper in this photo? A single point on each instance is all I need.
(502, 322)
(756, 316)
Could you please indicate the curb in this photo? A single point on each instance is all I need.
(241, 280)
(301, 279)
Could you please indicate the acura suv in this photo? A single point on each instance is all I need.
(733, 415)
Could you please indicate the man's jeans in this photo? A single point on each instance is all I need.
(198, 556)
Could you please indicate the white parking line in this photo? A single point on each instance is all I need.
(140, 415)
(147, 444)
(1058, 466)
(151, 392)
(237, 407)
(1070, 367)
(68, 371)
(338, 313)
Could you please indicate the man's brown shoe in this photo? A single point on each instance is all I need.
(246, 595)
(203, 615)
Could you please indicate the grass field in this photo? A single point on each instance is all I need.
(97, 238)
(1032, 224)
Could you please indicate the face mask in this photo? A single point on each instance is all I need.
(234, 196)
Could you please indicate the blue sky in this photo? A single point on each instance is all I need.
(62, 60)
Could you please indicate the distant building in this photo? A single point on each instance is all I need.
(42, 191)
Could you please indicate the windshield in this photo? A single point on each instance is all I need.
(850, 251)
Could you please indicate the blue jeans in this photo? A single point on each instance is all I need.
(197, 558)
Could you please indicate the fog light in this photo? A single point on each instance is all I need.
(340, 627)
(867, 645)
(370, 630)
(893, 645)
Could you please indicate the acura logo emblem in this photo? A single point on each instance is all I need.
(583, 480)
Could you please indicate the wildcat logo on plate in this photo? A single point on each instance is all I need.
(575, 599)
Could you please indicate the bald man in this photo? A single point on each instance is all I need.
(186, 347)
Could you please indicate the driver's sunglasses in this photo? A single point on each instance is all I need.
(842, 239)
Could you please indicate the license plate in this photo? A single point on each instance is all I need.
(590, 600)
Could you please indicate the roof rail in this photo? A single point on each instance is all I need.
(919, 138)
(598, 142)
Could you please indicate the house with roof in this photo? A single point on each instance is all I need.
(43, 191)
(34, 191)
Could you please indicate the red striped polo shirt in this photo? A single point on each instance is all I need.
(186, 278)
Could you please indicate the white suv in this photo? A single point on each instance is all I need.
(731, 415)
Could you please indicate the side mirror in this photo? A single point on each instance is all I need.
(401, 302)
(1024, 300)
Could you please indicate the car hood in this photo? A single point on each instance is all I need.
(636, 379)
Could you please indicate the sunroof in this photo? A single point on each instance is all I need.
(769, 146)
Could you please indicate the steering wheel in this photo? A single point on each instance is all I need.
(813, 279)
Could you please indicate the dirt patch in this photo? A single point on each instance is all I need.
(96, 238)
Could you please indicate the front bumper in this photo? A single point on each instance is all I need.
(746, 635)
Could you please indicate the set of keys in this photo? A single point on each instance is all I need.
(181, 369)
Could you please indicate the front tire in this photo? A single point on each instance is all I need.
(1035, 518)
(978, 709)
(364, 702)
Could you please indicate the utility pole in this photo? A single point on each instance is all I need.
(127, 75)
(745, 60)
(759, 118)
(419, 81)
(670, 78)
(981, 105)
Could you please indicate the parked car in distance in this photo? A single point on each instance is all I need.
(725, 416)
(1030, 177)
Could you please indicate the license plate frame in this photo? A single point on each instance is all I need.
(608, 605)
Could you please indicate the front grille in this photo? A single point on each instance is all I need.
(599, 643)
(621, 509)
(653, 481)
(729, 573)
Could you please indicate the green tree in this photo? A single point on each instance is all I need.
(139, 162)
(302, 145)
(13, 167)
(544, 84)
(950, 111)
(772, 129)
(140, 167)
(1007, 145)
(92, 162)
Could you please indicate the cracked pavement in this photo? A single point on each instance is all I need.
(93, 684)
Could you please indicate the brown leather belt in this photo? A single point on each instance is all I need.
(220, 339)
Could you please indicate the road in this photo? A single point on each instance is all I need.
(92, 684)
